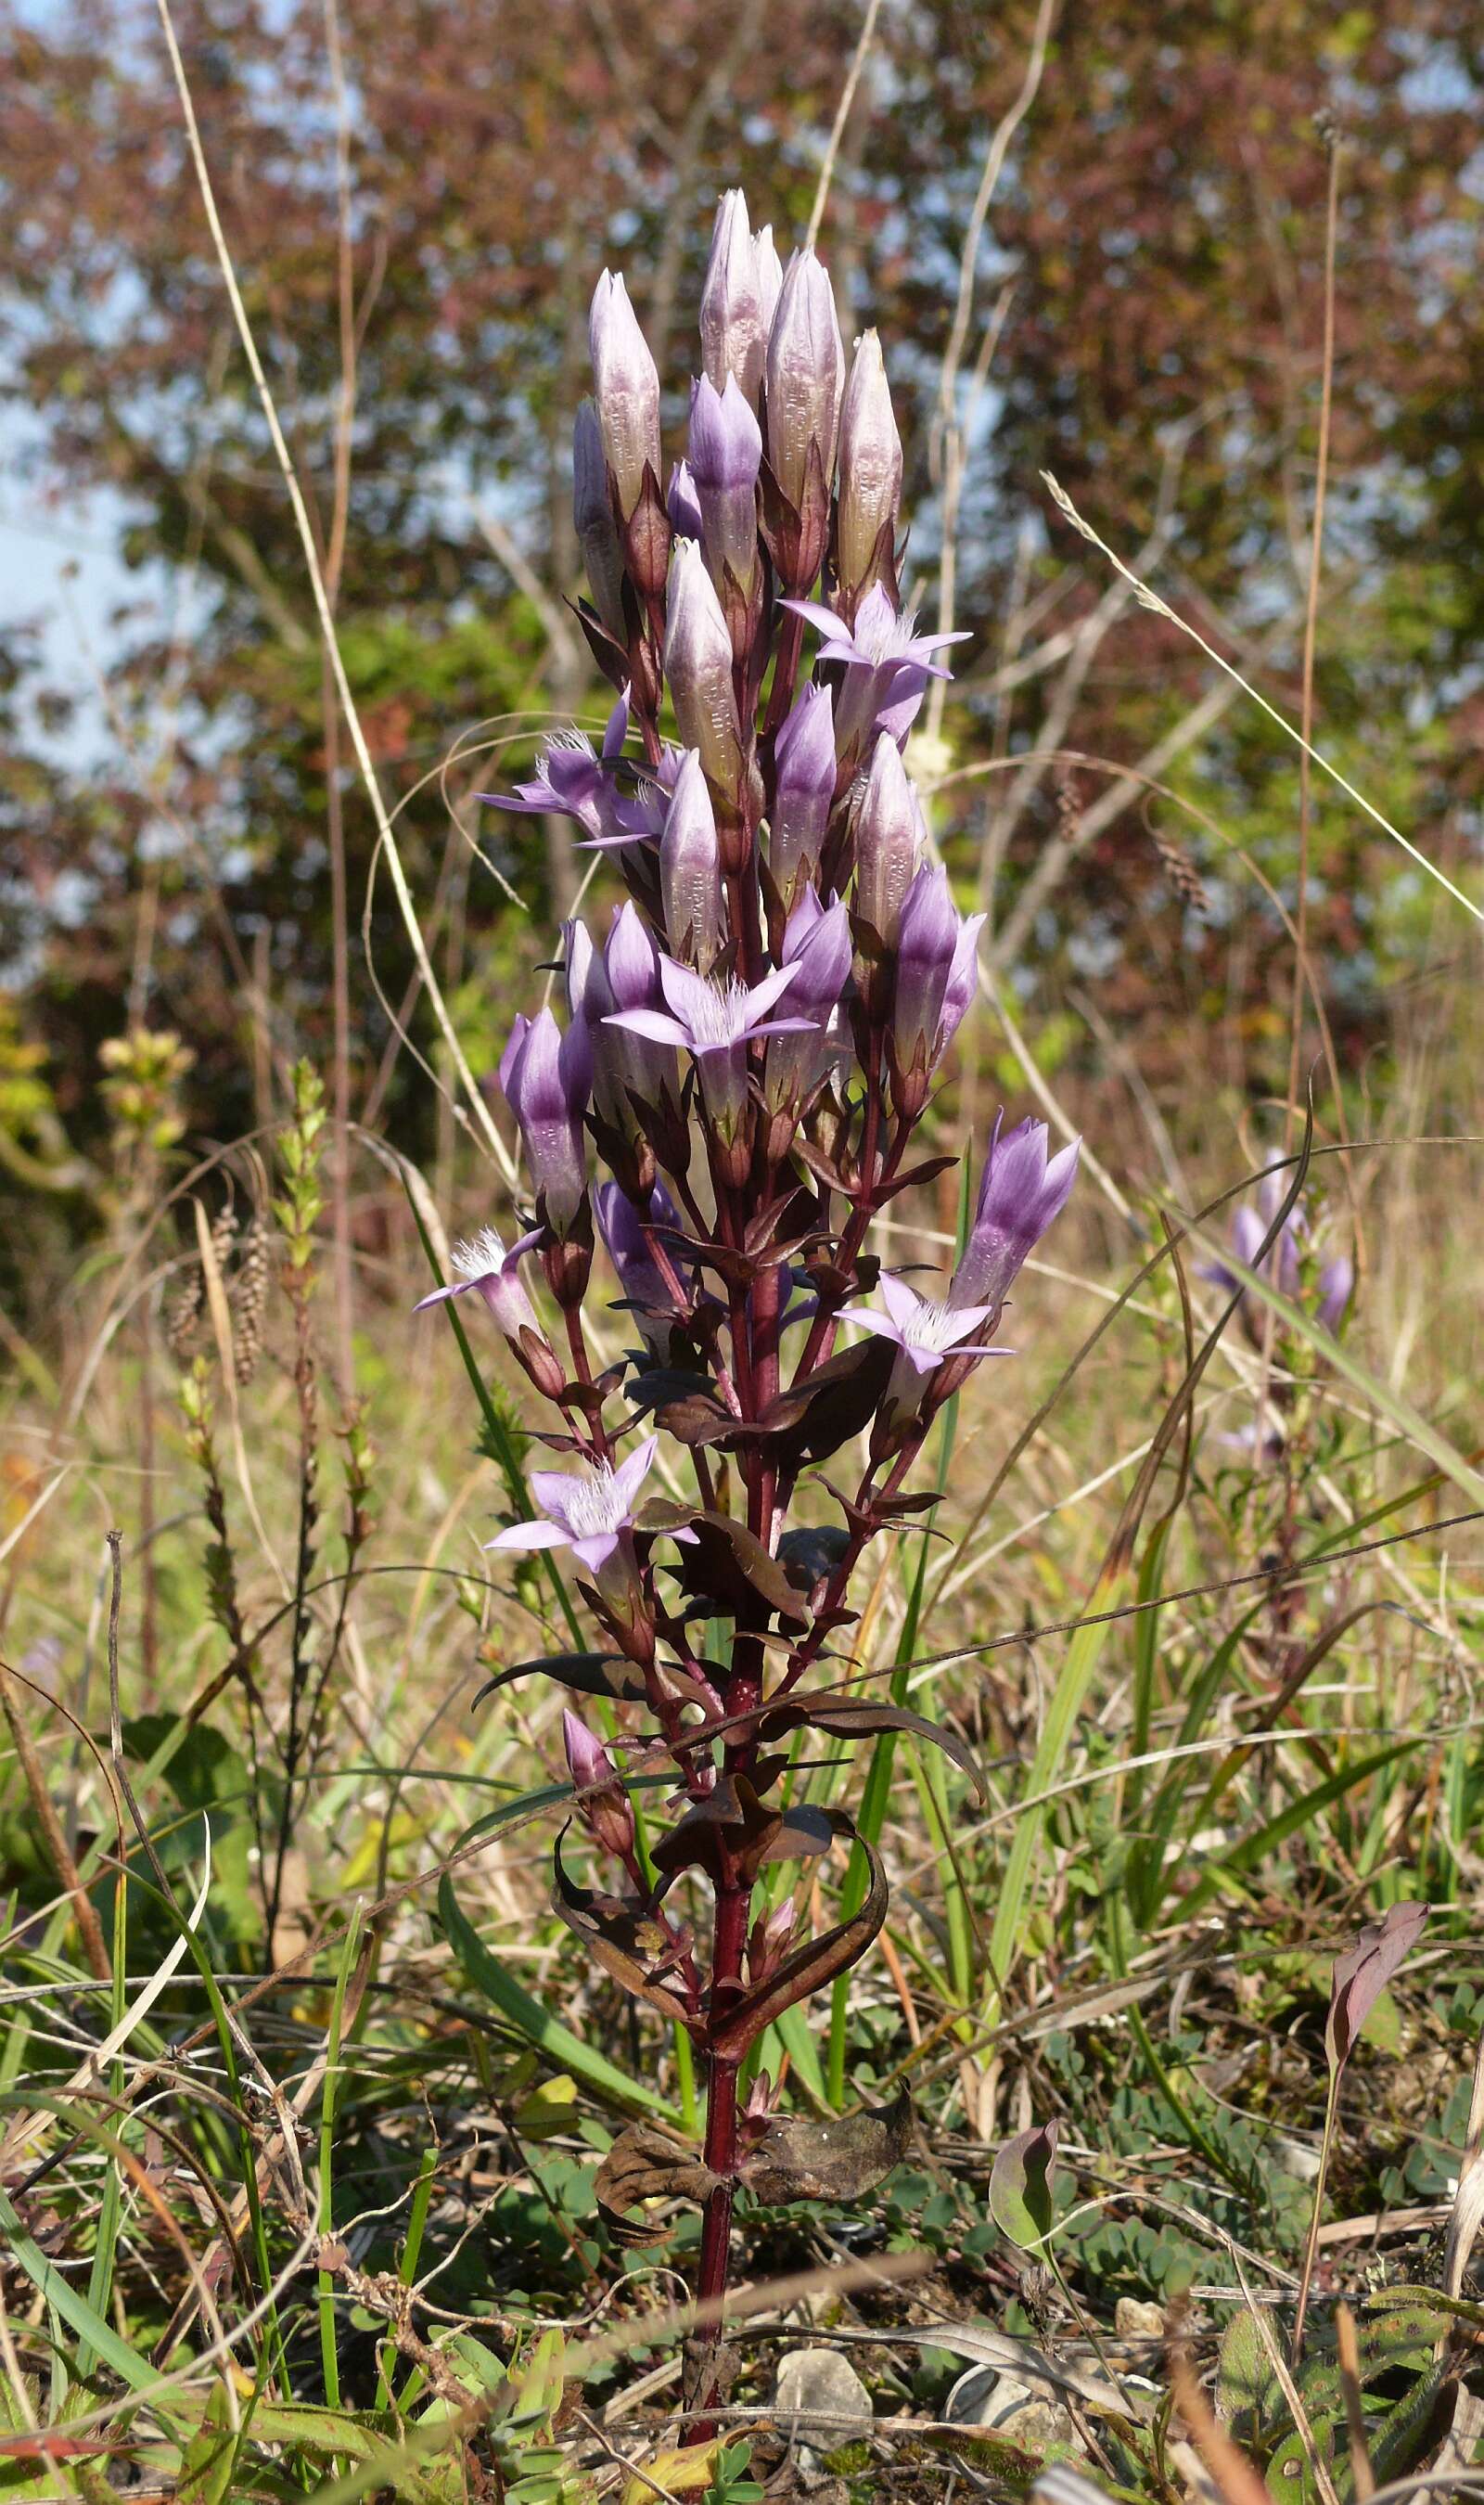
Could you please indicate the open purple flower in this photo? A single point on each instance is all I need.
(887, 666)
(925, 1332)
(715, 1021)
(1021, 1191)
(589, 1515)
(572, 781)
(483, 1268)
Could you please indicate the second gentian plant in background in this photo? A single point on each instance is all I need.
(748, 1054)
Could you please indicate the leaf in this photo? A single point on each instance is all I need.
(812, 1419)
(1363, 1974)
(601, 2078)
(549, 2108)
(644, 2163)
(623, 1936)
(686, 2473)
(850, 1718)
(727, 1564)
(1020, 2200)
(588, 1674)
(838, 2160)
(806, 1969)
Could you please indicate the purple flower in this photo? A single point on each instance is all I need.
(571, 781)
(487, 1270)
(626, 976)
(690, 867)
(889, 837)
(642, 1280)
(1284, 1265)
(627, 389)
(680, 503)
(698, 665)
(926, 1333)
(737, 298)
(805, 775)
(817, 944)
(1337, 1281)
(888, 666)
(547, 1078)
(717, 1021)
(726, 455)
(1021, 1191)
(589, 1515)
(805, 373)
(870, 467)
(933, 942)
(602, 1806)
(593, 523)
(962, 983)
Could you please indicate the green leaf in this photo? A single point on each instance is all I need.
(1020, 2198)
(606, 2081)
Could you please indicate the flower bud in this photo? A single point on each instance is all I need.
(602, 1805)
(680, 503)
(804, 791)
(547, 1078)
(734, 318)
(726, 454)
(642, 1282)
(924, 960)
(888, 841)
(690, 869)
(593, 523)
(870, 469)
(806, 377)
(627, 390)
(698, 665)
(770, 276)
(930, 942)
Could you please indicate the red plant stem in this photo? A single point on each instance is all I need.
(733, 1902)
(576, 1340)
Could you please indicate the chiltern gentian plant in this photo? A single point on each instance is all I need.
(748, 1051)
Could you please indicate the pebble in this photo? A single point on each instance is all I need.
(821, 2401)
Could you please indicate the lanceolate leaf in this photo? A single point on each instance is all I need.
(590, 1673)
(806, 1969)
(849, 1717)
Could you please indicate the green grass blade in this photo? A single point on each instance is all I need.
(539, 2026)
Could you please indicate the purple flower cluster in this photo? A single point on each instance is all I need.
(749, 1051)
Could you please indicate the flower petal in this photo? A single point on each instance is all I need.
(688, 994)
(531, 1534)
(899, 1300)
(459, 1288)
(653, 1023)
(595, 1552)
(630, 1476)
